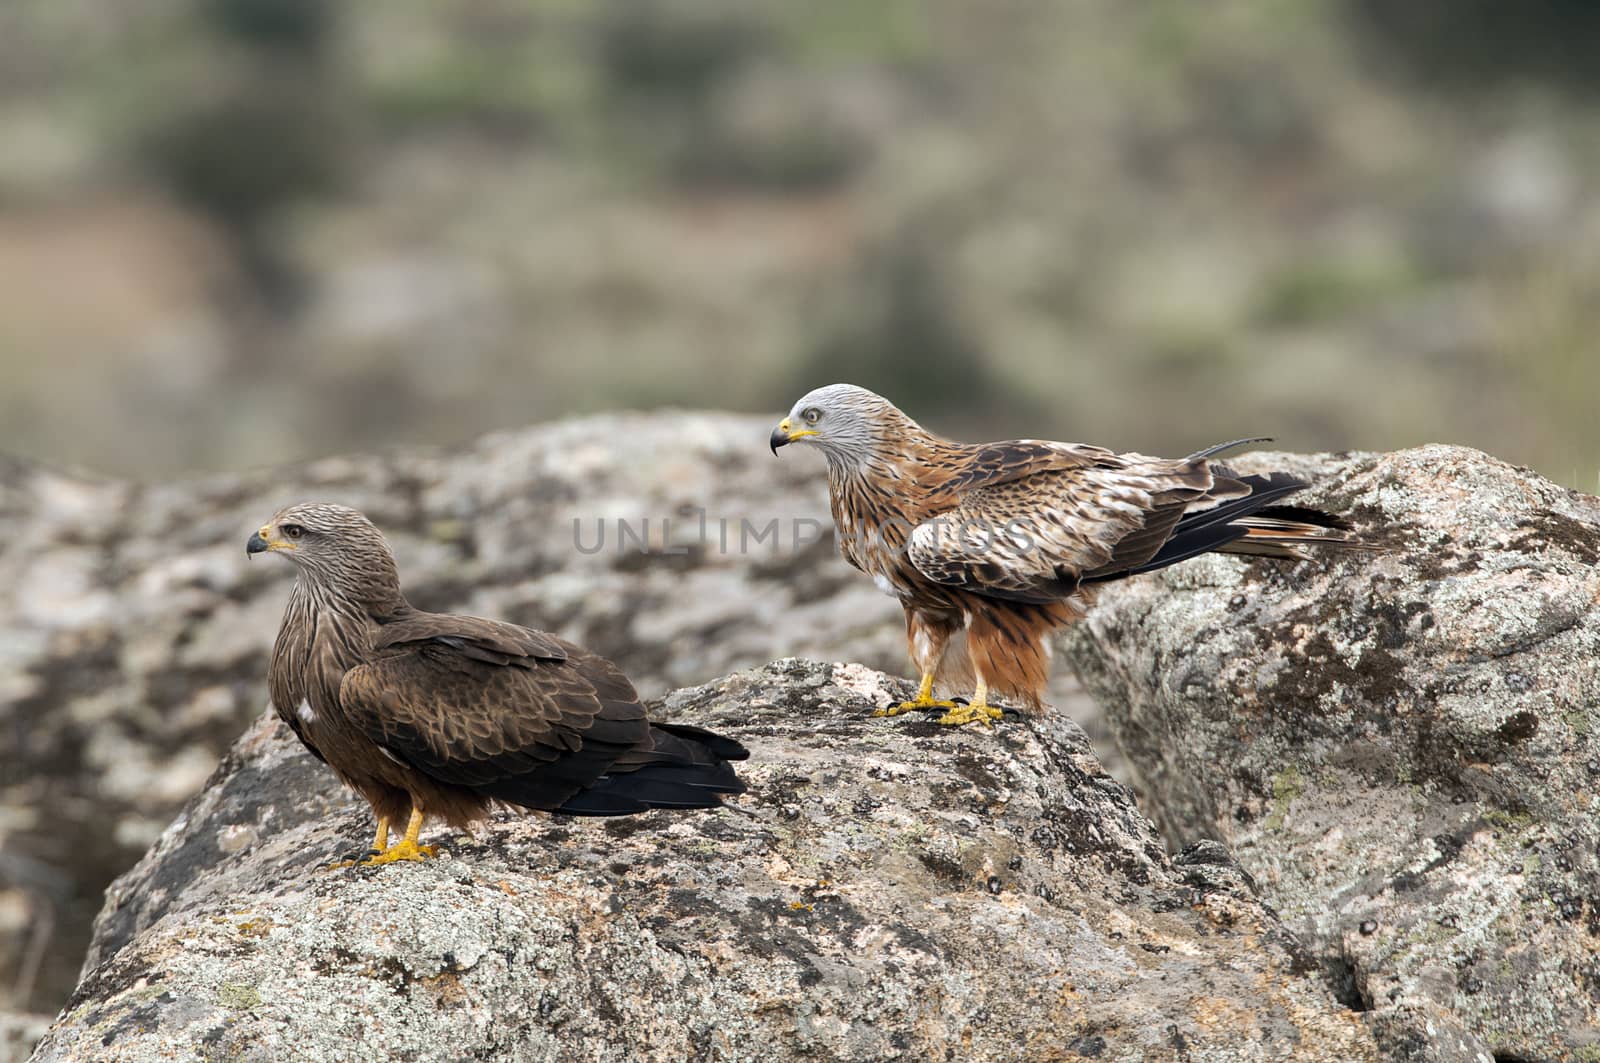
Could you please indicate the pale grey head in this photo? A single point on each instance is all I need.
(334, 547)
(850, 425)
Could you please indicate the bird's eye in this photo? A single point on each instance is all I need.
(292, 531)
(812, 415)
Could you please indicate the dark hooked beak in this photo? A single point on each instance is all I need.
(255, 544)
(786, 433)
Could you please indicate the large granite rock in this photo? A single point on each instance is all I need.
(134, 635)
(888, 889)
(1402, 749)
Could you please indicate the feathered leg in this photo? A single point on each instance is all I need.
(926, 639)
(1009, 650)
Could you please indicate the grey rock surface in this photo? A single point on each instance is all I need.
(888, 889)
(134, 636)
(1403, 750)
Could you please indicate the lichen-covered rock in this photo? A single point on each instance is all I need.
(134, 635)
(1403, 749)
(887, 889)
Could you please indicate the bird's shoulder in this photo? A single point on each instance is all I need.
(474, 658)
(980, 465)
(493, 642)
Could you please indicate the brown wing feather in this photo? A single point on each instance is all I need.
(534, 730)
(992, 464)
(491, 641)
(1033, 538)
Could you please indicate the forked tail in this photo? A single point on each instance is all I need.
(1257, 524)
(687, 767)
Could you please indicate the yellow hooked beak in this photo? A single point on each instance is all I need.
(262, 541)
(783, 435)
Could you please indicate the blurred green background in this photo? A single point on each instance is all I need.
(238, 232)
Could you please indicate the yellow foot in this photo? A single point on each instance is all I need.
(920, 705)
(976, 712)
(404, 849)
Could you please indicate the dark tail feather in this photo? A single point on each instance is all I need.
(1307, 515)
(717, 745)
(687, 768)
(1294, 533)
(1220, 447)
(1251, 525)
(1212, 529)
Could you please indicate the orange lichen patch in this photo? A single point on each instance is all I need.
(446, 989)
(1218, 1013)
(255, 928)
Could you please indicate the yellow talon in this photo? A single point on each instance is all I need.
(978, 710)
(380, 842)
(914, 706)
(923, 702)
(404, 849)
(973, 713)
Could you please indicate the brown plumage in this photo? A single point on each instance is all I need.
(434, 714)
(1006, 541)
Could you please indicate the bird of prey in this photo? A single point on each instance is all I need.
(1006, 541)
(433, 714)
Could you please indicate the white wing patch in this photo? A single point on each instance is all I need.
(306, 713)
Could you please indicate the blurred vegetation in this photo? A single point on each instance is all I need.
(1481, 46)
(896, 333)
(245, 231)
